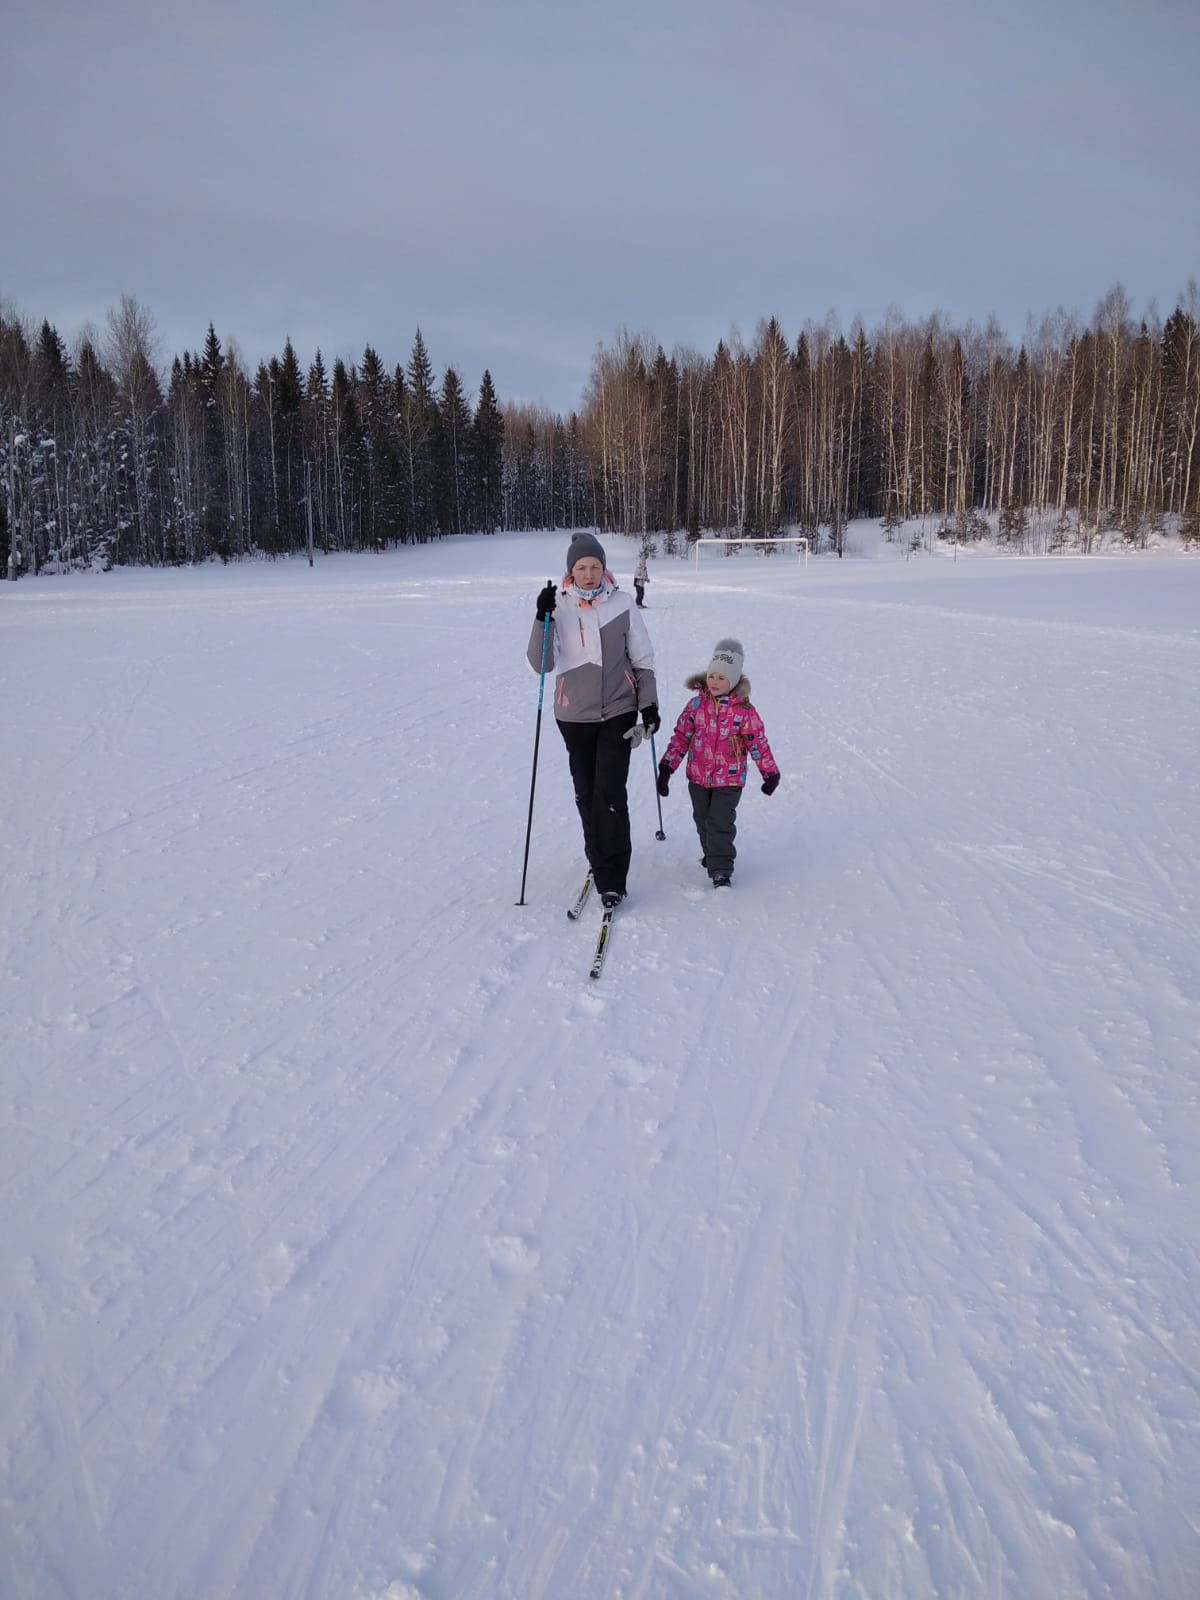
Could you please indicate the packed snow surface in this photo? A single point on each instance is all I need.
(841, 1241)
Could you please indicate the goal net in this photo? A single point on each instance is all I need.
(762, 545)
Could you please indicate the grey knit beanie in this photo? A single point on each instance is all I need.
(727, 660)
(585, 544)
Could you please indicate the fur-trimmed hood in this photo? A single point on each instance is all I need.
(699, 680)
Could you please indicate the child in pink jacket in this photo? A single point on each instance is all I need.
(717, 730)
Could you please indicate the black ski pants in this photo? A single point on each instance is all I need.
(715, 815)
(599, 756)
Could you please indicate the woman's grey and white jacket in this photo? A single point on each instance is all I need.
(601, 654)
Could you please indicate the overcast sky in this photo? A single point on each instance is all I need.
(521, 178)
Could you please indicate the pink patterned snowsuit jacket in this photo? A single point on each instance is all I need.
(717, 736)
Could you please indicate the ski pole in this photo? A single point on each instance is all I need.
(660, 835)
(537, 735)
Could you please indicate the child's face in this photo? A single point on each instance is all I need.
(717, 685)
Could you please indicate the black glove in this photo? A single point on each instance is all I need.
(664, 778)
(651, 720)
(771, 784)
(545, 602)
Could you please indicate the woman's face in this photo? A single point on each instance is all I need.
(587, 573)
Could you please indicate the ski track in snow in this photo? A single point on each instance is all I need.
(839, 1242)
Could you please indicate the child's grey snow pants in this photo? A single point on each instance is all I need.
(715, 814)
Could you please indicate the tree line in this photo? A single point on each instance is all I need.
(1081, 430)
(1078, 431)
(99, 462)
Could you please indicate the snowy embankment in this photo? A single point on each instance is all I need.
(840, 1242)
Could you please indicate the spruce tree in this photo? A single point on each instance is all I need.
(867, 475)
(183, 496)
(487, 459)
(578, 496)
(317, 453)
(559, 486)
(51, 379)
(289, 399)
(451, 470)
(346, 466)
(48, 448)
(214, 501)
(384, 502)
(417, 411)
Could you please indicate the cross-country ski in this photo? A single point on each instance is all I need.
(602, 938)
(575, 910)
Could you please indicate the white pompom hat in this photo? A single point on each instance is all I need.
(727, 660)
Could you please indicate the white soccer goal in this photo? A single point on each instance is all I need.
(788, 539)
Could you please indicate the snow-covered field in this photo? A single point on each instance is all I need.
(842, 1241)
